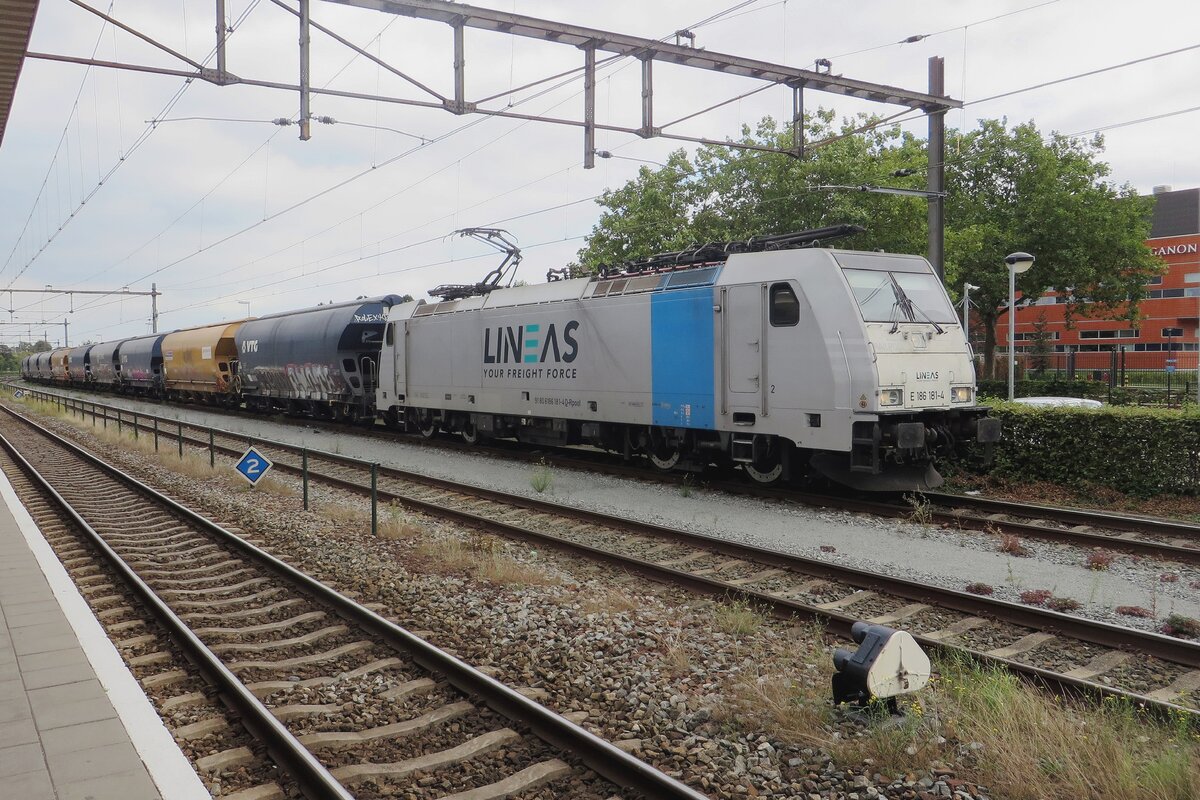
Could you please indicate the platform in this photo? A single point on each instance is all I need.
(74, 723)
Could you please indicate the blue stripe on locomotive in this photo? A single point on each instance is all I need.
(681, 331)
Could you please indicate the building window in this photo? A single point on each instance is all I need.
(1172, 332)
(1128, 333)
(1156, 281)
(1031, 336)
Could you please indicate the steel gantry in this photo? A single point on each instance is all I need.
(933, 103)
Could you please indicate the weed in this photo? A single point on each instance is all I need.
(395, 523)
(1011, 543)
(922, 510)
(685, 487)
(1036, 597)
(828, 548)
(979, 588)
(346, 516)
(1063, 604)
(738, 617)
(1181, 626)
(541, 478)
(1135, 611)
(1100, 559)
(1169, 577)
(613, 601)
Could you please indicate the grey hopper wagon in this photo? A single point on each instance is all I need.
(320, 361)
(141, 363)
(102, 363)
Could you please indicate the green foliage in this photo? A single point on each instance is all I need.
(735, 194)
(1140, 451)
(1012, 189)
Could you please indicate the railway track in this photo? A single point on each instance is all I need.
(339, 701)
(1165, 539)
(1067, 652)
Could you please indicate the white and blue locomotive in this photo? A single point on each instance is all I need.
(769, 354)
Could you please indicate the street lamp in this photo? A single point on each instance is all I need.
(1017, 262)
(245, 303)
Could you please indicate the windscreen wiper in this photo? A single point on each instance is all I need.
(908, 307)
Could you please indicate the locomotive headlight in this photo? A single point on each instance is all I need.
(961, 394)
(891, 397)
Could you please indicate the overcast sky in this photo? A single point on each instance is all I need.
(206, 204)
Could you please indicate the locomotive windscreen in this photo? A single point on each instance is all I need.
(883, 295)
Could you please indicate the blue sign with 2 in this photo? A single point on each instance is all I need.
(252, 465)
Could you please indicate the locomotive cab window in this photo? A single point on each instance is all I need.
(785, 308)
(390, 335)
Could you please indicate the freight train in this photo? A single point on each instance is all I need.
(772, 355)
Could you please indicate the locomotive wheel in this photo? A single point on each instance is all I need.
(470, 433)
(662, 454)
(665, 458)
(767, 466)
(765, 476)
(427, 425)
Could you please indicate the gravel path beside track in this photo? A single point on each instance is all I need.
(919, 552)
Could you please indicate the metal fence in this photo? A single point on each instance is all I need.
(1173, 373)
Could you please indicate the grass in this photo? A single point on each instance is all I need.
(1100, 559)
(612, 601)
(541, 478)
(922, 511)
(1031, 746)
(1181, 626)
(483, 558)
(396, 523)
(738, 617)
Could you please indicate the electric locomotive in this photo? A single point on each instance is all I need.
(772, 354)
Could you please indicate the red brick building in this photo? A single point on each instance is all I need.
(1170, 323)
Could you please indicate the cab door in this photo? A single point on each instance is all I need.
(745, 346)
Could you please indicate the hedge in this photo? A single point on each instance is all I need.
(1140, 451)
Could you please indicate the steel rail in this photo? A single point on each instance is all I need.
(602, 756)
(314, 779)
(1103, 520)
(1170, 648)
(1106, 634)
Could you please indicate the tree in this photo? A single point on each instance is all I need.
(735, 194)
(1013, 190)
(1007, 189)
(1040, 348)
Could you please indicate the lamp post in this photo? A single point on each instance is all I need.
(1017, 263)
